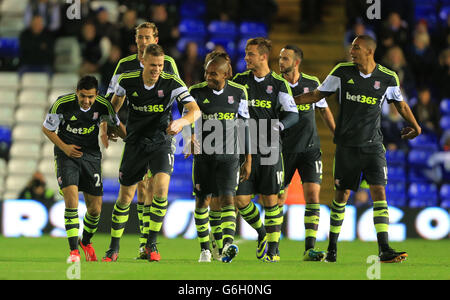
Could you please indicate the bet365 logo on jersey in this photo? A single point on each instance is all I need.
(361, 98)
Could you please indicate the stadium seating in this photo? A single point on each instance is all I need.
(223, 29)
(445, 106)
(192, 28)
(425, 141)
(445, 122)
(395, 157)
(192, 9)
(396, 193)
(25, 150)
(9, 80)
(422, 194)
(35, 80)
(30, 97)
(252, 29)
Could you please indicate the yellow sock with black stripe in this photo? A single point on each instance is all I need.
(157, 212)
(90, 224)
(201, 218)
(71, 223)
(228, 224)
(381, 222)
(336, 219)
(215, 221)
(145, 225)
(140, 213)
(311, 220)
(251, 215)
(272, 222)
(118, 221)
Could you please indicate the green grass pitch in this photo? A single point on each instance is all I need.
(44, 258)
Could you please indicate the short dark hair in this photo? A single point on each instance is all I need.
(297, 50)
(370, 41)
(154, 50)
(264, 45)
(87, 82)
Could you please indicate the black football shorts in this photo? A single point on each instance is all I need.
(84, 172)
(308, 164)
(353, 163)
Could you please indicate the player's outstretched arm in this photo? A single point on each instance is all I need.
(69, 150)
(311, 97)
(328, 119)
(117, 102)
(406, 113)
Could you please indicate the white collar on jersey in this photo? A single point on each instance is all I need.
(218, 92)
(365, 75)
(259, 79)
(85, 110)
(149, 87)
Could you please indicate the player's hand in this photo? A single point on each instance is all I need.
(112, 134)
(409, 133)
(104, 138)
(245, 170)
(176, 126)
(73, 151)
(193, 147)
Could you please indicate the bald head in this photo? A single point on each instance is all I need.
(217, 71)
(368, 41)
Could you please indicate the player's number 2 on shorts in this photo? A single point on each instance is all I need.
(98, 180)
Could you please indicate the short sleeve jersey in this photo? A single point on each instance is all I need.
(149, 107)
(303, 135)
(360, 100)
(132, 63)
(267, 98)
(224, 106)
(76, 126)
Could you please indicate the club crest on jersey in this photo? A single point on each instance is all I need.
(230, 99)
(95, 116)
(160, 93)
(376, 85)
(269, 89)
(305, 90)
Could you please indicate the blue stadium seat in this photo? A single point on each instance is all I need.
(111, 185)
(241, 65)
(396, 173)
(9, 46)
(5, 135)
(192, 28)
(419, 157)
(228, 44)
(396, 193)
(192, 9)
(417, 174)
(182, 42)
(180, 184)
(444, 192)
(425, 141)
(395, 157)
(223, 29)
(252, 29)
(422, 202)
(241, 47)
(445, 122)
(182, 166)
(445, 106)
(426, 191)
(445, 203)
